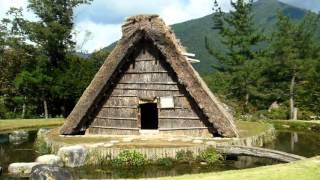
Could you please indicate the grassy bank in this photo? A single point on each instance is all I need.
(296, 125)
(13, 124)
(306, 169)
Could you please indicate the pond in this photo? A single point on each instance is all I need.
(305, 144)
(300, 143)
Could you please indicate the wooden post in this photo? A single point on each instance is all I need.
(45, 108)
(24, 107)
(293, 81)
(295, 113)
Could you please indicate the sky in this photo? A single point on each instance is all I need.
(99, 24)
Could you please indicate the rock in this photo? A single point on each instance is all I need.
(21, 169)
(107, 145)
(114, 141)
(46, 172)
(186, 139)
(128, 139)
(172, 139)
(73, 156)
(18, 137)
(197, 141)
(211, 143)
(274, 106)
(42, 132)
(203, 163)
(50, 159)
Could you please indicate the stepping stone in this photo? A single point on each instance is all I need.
(45, 171)
(21, 169)
(73, 156)
(51, 159)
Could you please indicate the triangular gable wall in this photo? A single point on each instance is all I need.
(153, 28)
(146, 78)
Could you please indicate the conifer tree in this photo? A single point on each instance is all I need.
(239, 37)
(292, 50)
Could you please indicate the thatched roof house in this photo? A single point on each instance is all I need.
(147, 83)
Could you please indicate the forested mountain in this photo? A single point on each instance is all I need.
(192, 33)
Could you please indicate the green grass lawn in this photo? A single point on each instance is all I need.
(13, 124)
(306, 169)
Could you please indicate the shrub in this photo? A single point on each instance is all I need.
(184, 156)
(166, 162)
(210, 155)
(281, 113)
(128, 158)
(306, 115)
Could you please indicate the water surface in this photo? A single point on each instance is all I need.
(304, 144)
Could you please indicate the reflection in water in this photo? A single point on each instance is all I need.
(300, 143)
(294, 140)
(105, 172)
(23, 152)
(18, 137)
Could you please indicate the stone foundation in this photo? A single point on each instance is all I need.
(99, 148)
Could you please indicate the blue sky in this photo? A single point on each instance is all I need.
(101, 21)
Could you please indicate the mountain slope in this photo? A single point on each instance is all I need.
(192, 33)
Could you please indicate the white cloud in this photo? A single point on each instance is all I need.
(6, 4)
(101, 35)
(173, 11)
(103, 18)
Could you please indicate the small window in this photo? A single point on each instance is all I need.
(166, 102)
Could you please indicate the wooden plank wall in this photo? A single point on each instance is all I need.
(147, 77)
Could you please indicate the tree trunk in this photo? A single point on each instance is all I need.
(45, 108)
(247, 97)
(24, 106)
(293, 82)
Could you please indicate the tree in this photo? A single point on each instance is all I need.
(53, 33)
(292, 48)
(52, 36)
(240, 38)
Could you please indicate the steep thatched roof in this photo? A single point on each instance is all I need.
(152, 27)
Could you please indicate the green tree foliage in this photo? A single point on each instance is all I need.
(291, 61)
(53, 32)
(45, 74)
(255, 71)
(240, 39)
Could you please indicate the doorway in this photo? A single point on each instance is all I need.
(149, 116)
